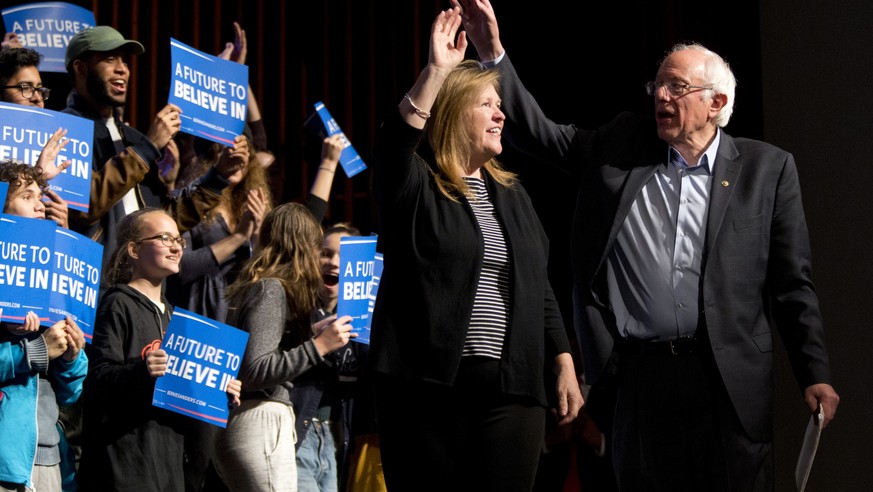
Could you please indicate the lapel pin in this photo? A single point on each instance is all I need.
(725, 183)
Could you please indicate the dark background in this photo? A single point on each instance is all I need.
(804, 72)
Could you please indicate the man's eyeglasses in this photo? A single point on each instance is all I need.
(167, 240)
(675, 89)
(27, 90)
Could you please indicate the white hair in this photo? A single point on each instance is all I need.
(718, 74)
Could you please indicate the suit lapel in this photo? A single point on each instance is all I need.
(636, 179)
(628, 186)
(724, 181)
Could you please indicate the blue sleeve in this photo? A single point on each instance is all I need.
(67, 378)
(12, 361)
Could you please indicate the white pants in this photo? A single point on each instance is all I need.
(256, 450)
(45, 479)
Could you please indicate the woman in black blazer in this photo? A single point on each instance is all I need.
(466, 325)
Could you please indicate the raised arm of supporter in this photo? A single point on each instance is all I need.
(169, 165)
(447, 47)
(195, 201)
(165, 126)
(480, 23)
(331, 149)
(235, 157)
(47, 162)
(10, 40)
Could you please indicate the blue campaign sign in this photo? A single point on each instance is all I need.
(4, 188)
(356, 273)
(204, 355)
(212, 93)
(26, 254)
(75, 279)
(24, 131)
(51, 271)
(47, 27)
(349, 159)
(364, 330)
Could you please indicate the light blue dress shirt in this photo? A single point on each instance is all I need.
(653, 270)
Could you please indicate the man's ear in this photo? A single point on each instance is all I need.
(80, 69)
(717, 103)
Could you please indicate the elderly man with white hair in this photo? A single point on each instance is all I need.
(690, 249)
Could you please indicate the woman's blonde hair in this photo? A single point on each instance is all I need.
(447, 128)
(290, 245)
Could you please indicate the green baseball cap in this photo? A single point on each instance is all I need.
(99, 38)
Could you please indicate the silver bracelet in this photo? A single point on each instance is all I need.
(420, 112)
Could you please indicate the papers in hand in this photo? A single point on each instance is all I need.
(807, 451)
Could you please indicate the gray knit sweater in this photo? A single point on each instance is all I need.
(274, 355)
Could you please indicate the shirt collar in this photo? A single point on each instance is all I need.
(707, 161)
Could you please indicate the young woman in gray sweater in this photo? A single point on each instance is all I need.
(272, 299)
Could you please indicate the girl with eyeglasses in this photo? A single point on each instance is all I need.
(129, 443)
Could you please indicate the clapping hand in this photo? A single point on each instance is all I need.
(238, 50)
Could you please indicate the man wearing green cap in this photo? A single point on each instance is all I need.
(97, 62)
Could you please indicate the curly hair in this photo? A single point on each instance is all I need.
(120, 268)
(13, 59)
(18, 175)
(233, 198)
(290, 245)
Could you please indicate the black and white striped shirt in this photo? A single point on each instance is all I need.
(491, 306)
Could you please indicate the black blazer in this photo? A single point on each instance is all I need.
(756, 273)
(433, 251)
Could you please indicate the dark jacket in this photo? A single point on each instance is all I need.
(114, 174)
(129, 444)
(433, 252)
(756, 270)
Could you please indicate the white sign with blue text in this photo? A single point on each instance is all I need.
(47, 27)
(203, 356)
(212, 93)
(24, 131)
